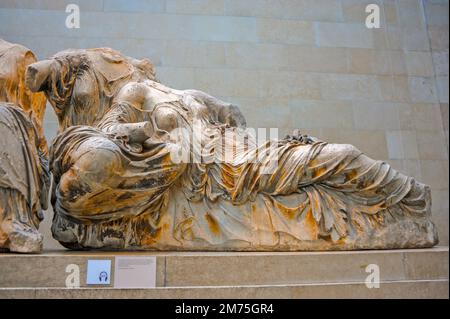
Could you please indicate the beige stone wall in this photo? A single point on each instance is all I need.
(437, 20)
(309, 64)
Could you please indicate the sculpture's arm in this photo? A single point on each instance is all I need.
(226, 113)
(133, 93)
(120, 122)
(132, 132)
(133, 135)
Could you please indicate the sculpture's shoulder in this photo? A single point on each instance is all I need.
(115, 65)
(14, 51)
(13, 60)
(10, 107)
(10, 112)
(147, 94)
(21, 124)
(6, 46)
(111, 64)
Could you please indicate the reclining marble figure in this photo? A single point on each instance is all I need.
(24, 177)
(139, 165)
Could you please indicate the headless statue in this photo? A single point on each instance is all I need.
(24, 177)
(121, 183)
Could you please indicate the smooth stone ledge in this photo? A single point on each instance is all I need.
(400, 289)
(182, 269)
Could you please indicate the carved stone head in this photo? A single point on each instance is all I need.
(81, 83)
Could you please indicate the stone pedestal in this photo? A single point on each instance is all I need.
(418, 273)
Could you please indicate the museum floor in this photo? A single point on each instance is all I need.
(412, 273)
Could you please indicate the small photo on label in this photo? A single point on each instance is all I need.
(99, 272)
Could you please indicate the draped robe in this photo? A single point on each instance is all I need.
(24, 181)
(112, 194)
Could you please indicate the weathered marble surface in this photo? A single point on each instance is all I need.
(14, 59)
(117, 184)
(80, 84)
(24, 177)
